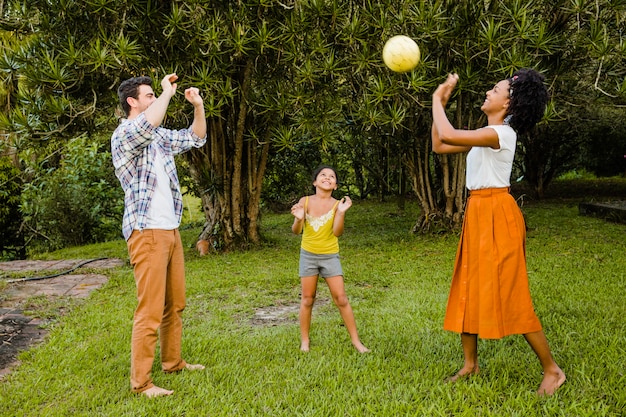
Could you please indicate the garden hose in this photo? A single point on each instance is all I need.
(55, 275)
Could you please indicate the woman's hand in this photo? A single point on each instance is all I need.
(444, 91)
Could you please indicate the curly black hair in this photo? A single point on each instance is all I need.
(529, 97)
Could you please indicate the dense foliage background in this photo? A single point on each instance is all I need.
(287, 85)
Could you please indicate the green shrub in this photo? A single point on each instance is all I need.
(576, 174)
(11, 237)
(75, 203)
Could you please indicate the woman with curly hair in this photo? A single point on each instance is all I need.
(489, 295)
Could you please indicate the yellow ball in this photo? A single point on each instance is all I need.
(401, 53)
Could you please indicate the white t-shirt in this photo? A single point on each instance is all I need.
(161, 213)
(491, 168)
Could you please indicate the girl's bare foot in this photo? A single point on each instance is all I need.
(463, 373)
(551, 382)
(304, 346)
(155, 391)
(360, 347)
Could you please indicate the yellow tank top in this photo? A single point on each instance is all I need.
(317, 235)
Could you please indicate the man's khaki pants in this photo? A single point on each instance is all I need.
(159, 267)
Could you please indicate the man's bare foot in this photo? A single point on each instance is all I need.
(463, 374)
(304, 346)
(361, 348)
(551, 382)
(155, 391)
(194, 367)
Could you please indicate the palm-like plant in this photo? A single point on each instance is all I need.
(279, 73)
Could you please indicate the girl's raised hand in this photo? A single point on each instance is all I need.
(344, 204)
(298, 211)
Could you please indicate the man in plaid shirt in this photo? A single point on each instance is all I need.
(143, 156)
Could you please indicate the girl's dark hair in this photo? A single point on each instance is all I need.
(529, 97)
(320, 168)
(130, 88)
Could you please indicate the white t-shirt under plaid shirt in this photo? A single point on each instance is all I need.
(134, 147)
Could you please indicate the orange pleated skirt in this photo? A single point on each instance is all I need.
(489, 295)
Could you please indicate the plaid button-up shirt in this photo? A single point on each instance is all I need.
(133, 147)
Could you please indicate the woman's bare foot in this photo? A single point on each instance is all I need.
(463, 373)
(304, 346)
(551, 382)
(155, 391)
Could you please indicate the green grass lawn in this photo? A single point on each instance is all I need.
(397, 284)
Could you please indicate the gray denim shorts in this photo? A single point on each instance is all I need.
(326, 265)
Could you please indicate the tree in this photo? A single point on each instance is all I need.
(586, 69)
(46, 107)
(577, 45)
(284, 75)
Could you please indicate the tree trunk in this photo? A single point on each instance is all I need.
(445, 212)
(228, 172)
(418, 164)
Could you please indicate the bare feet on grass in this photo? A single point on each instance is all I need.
(463, 373)
(155, 391)
(304, 347)
(551, 382)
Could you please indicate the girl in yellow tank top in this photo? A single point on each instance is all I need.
(317, 235)
(320, 219)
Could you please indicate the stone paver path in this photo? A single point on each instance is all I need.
(51, 279)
